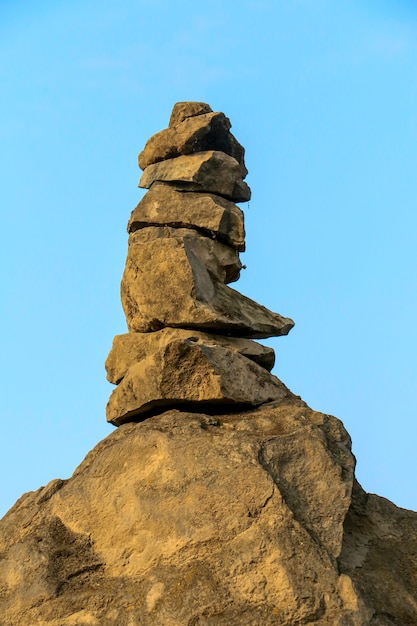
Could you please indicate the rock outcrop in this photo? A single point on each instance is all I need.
(185, 236)
(244, 519)
(222, 499)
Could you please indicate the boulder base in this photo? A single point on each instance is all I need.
(250, 519)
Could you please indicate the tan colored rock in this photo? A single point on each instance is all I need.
(195, 134)
(187, 373)
(379, 553)
(182, 110)
(222, 262)
(210, 171)
(210, 214)
(187, 519)
(132, 348)
(166, 283)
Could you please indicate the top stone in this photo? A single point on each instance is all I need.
(209, 131)
(182, 110)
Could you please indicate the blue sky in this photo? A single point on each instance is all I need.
(323, 97)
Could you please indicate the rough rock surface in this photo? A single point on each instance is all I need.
(185, 237)
(182, 110)
(245, 519)
(186, 373)
(201, 510)
(166, 282)
(211, 171)
(209, 131)
(221, 262)
(210, 214)
(132, 348)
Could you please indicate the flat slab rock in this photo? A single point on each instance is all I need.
(247, 519)
(131, 348)
(210, 171)
(172, 281)
(200, 375)
(208, 213)
(209, 131)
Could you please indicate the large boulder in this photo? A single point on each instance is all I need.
(173, 281)
(131, 348)
(185, 373)
(208, 213)
(211, 171)
(249, 519)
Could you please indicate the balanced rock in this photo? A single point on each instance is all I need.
(212, 215)
(132, 348)
(171, 281)
(185, 373)
(189, 340)
(209, 131)
(182, 110)
(211, 171)
(221, 261)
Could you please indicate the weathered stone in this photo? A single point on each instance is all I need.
(166, 283)
(222, 262)
(194, 134)
(210, 214)
(186, 373)
(225, 520)
(379, 551)
(210, 171)
(182, 110)
(132, 348)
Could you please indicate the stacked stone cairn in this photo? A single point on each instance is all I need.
(190, 341)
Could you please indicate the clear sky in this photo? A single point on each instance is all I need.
(322, 94)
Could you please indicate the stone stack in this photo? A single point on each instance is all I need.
(190, 341)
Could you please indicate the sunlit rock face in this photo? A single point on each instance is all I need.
(185, 236)
(251, 517)
(221, 499)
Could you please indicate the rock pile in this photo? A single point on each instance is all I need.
(249, 517)
(190, 338)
